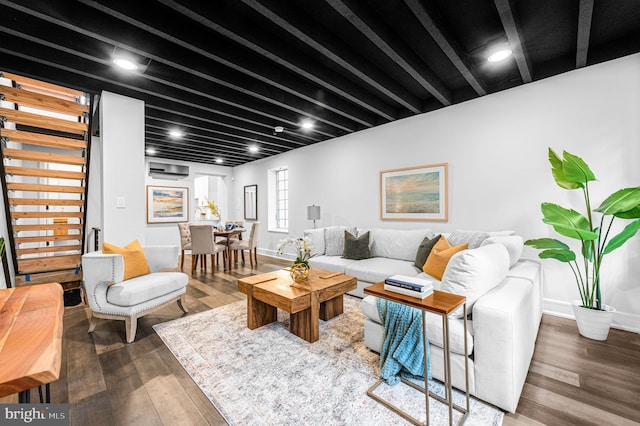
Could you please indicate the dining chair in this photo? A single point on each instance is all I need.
(185, 241)
(202, 244)
(250, 245)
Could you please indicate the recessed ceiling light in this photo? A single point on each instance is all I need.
(278, 129)
(125, 64)
(499, 55)
(219, 160)
(307, 124)
(176, 133)
(151, 151)
(254, 148)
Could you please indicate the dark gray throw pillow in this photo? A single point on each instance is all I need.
(356, 248)
(424, 249)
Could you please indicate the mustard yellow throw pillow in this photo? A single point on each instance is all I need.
(135, 262)
(439, 257)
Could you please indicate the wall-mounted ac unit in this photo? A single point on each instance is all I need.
(168, 171)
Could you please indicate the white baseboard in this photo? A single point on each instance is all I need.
(621, 320)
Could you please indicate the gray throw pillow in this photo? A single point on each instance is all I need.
(356, 248)
(424, 249)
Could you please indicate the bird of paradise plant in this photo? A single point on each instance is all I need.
(571, 172)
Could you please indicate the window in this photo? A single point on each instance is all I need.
(279, 200)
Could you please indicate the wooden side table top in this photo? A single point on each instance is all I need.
(439, 302)
(275, 288)
(30, 336)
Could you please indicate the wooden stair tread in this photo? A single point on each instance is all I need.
(48, 249)
(37, 187)
(44, 202)
(48, 263)
(44, 215)
(47, 227)
(42, 101)
(47, 238)
(62, 276)
(42, 87)
(43, 140)
(46, 157)
(45, 173)
(43, 122)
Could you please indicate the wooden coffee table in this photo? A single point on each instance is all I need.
(321, 297)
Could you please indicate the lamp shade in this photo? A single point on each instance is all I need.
(313, 212)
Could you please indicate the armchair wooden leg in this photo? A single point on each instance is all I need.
(182, 304)
(92, 324)
(131, 325)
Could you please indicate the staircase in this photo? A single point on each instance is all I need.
(45, 144)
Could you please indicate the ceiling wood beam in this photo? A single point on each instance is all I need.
(382, 38)
(447, 43)
(323, 77)
(584, 31)
(511, 25)
(316, 38)
(223, 76)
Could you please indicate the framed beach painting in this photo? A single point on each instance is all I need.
(167, 204)
(414, 193)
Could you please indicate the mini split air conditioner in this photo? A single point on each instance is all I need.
(168, 171)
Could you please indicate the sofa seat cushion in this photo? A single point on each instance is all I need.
(330, 263)
(146, 287)
(376, 269)
(369, 308)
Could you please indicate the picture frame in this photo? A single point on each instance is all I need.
(251, 202)
(415, 193)
(167, 204)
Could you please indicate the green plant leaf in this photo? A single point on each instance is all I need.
(557, 171)
(575, 169)
(547, 243)
(567, 222)
(561, 255)
(629, 231)
(629, 214)
(587, 247)
(621, 201)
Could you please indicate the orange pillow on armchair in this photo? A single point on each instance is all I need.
(135, 262)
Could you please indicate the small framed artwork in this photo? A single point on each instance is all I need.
(167, 204)
(414, 193)
(251, 202)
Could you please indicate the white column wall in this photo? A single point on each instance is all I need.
(496, 147)
(122, 138)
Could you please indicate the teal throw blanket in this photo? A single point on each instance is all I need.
(402, 352)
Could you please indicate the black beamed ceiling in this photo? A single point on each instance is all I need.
(227, 72)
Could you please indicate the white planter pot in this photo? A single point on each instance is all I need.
(592, 323)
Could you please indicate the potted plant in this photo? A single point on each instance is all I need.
(593, 231)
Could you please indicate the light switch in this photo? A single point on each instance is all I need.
(120, 203)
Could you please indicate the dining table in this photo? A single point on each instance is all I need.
(227, 234)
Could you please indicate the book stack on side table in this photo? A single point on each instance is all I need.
(409, 286)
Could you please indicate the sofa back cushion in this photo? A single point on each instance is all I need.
(472, 273)
(334, 239)
(397, 244)
(474, 238)
(513, 243)
(316, 239)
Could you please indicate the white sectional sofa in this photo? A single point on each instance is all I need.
(504, 298)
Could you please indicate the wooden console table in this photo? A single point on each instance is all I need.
(442, 304)
(30, 338)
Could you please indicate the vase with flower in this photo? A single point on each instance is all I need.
(299, 271)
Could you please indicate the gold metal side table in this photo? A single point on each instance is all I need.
(439, 303)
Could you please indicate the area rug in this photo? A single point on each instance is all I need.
(269, 376)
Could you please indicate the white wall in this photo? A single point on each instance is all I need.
(122, 142)
(496, 147)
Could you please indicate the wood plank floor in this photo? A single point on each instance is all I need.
(571, 381)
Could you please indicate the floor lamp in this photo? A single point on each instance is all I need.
(313, 213)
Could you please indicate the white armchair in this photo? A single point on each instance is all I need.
(110, 297)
